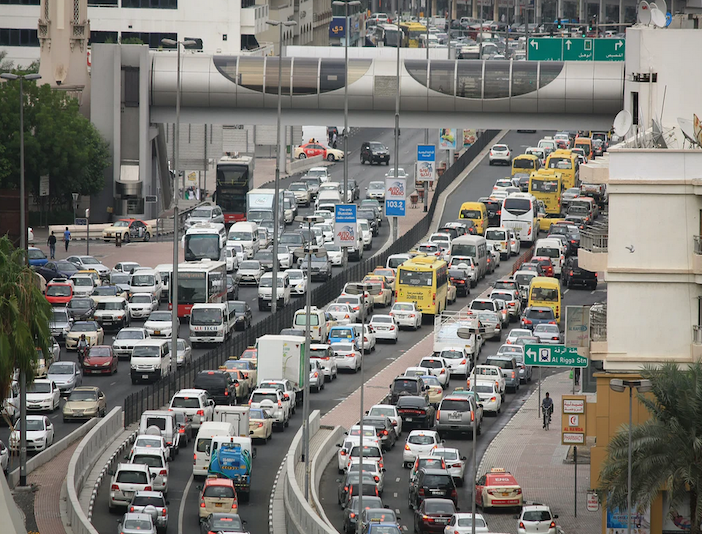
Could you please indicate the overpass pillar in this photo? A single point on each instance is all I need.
(537, 12)
(495, 10)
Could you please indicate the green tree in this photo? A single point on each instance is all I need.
(24, 316)
(666, 449)
(59, 141)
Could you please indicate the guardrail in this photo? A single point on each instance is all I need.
(593, 241)
(82, 462)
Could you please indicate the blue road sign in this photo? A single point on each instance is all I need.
(337, 27)
(395, 208)
(426, 153)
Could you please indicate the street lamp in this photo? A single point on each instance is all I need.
(176, 157)
(276, 211)
(23, 224)
(398, 42)
(23, 246)
(642, 386)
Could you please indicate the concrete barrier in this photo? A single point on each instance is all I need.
(83, 461)
(320, 460)
(300, 165)
(49, 454)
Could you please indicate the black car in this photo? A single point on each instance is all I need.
(416, 411)
(450, 231)
(384, 430)
(369, 215)
(572, 237)
(57, 269)
(406, 385)
(433, 515)
(435, 483)
(321, 266)
(350, 484)
(81, 308)
(352, 509)
(494, 209)
(219, 385)
(577, 276)
(222, 522)
(374, 152)
(266, 259)
(461, 279)
(523, 182)
(232, 288)
(243, 314)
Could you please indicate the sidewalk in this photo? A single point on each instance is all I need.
(536, 458)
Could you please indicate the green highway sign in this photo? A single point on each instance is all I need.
(575, 49)
(553, 356)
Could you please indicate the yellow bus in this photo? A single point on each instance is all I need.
(424, 281)
(566, 163)
(526, 163)
(411, 33)
(547, 187)
(546, 291)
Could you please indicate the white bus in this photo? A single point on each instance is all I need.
(519, 214)
(474, 246)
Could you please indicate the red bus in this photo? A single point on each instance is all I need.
(234, 179)
(200, 282)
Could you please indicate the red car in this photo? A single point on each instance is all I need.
(546, 264)
(100, 360)
(59, 293)
(310, 150)
(432, 515)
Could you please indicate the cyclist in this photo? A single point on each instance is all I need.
(547, 408)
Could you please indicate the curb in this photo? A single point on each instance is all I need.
(271, 500)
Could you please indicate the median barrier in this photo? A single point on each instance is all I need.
(321, 458)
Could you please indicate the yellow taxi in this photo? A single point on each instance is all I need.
(380, 291)
(260, 424)
(128, 230)
(451, 293)
(476, 212)
(388, 273)
(94, 334)
(498, 489)
(435, 391)
(93, 274)
(218, 495)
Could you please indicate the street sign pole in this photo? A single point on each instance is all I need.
(538, 411)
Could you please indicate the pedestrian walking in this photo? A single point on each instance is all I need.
(52, 245)
(334, 139)
(66, 237)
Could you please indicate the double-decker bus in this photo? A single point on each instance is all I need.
(519, 213)
(234, 179)
(200, 283)
(424, 281)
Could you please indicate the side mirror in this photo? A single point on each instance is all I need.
(463, 458)
(338, 445)
(516, 516)
(168, 503)
(251, 432)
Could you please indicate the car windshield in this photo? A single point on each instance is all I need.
(39, 387)
(416, 278)
(381, 319)
(343, 333)
(546, 294)
(479, 388)
(379, 410)
(536, 515)
(132, 477)
(105, 291)
(403, 307)
(109, 305)
(468, 522)
(137, 524)
(420, 440)
(146, 351)
(404, 385)
(145, 500)
(148, 442)
(342, 347)
(59, 291)
(151, 460)
(206, 316)
(249, 266)
(141, 299)
(80, 303)
(121, 224)
(431, 381)
(100, 351)
(496, 235)
(160, 316)
(229, 524)
(84, 327)
(81, 395)
(185, 402)
(547, 328)
(82, 281)
(61, 368)
(130, 334)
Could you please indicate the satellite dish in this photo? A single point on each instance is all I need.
(697, 126)
(660, 4)
(622, 123)
(657, 17)
(688, 130)
(643, 13)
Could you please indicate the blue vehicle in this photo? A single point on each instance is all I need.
(231, 458)
(36, 257)
(342, 333)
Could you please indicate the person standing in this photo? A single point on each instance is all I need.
(52, 245)
(66, 237)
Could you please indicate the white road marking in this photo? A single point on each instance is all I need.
(397, 479)
(181, 510)
(394, 495)
(113, 383)
(566, 291)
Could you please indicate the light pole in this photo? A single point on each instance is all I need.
(176, 157)
(23, 246)
(309, 220)
(642, 386)
(397, 115)
(276, 211)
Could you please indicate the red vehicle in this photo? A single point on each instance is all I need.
(59, 292)
(546, 264)
(310, 150)
(432, 515)
(498, 488)
(100, 360)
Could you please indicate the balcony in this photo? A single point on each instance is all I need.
(592, 254)
(697, 254)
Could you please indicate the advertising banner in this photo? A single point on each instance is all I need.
(617, 519)
(345, 225)
(426, 163)
(447, 138)
(395, 192)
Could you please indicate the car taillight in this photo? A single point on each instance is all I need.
(411, 315)
(355, 308)
(552, 322)
(394, 423)
(513, 371)
(552, 525)
(343, 453)
(433, 297)
(131, 508)
(463, 361)
(201, 412)
(526, 321)
(226, 393)
(346, 316)
(163, 512)
(163, 472)
(529, 232)
(555, 338)
(202, 504)
(407, 447)
(280, 404)
(443, 372)
(392, 327)
(194, 459)
(438, 414)
(115, 487)
(352, 515)
(421, 491)
(385, 432)
(181, 430)
(260, 425)
(472, 418)
(493, 399)
(521, 525)
(376, 478)
(147, 488)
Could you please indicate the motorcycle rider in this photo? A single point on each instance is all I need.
(82, 348)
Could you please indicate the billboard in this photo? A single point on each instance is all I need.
(447, 138)
(469, 137)
(426, 163)
(395, 192)
(345, 227)
(617, 520)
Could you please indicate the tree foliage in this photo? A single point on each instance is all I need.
(666, 449)
(24, 316)
(58, 141)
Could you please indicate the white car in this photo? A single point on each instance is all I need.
(385, 327)
(289, 396)
(366, 234)
(515, 334)
(489, 395)
(83, 285)
(231, 258)
(511, 299)
(336, 254)
(125, 340)
(157, 463)
(419, 443)
(302, 194)
(514, 245)
(372, 452)
(141, 305)
(298, 281)
(407, 315)
(323, 354)
(455, 463)
(239, 250)
(500, 154)
(548, 334)
(368, 337)
(285, 256)
(389, 411)
(430, 249)
(436, 366)
(458, 361)
(159, 324)
(462, 523)
(466, 262)
(372, 467)
(271, 400)
(43, 395)
(326, 215)
(536, 519)
(250, 272)
(350, 441)
(342, 312)
(316, 376)
(40, 434)
(347, 356)
(327, 231)
(88, 262)
(400, 173)
(355, 302)
(443, 240)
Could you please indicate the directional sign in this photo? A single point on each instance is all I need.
(545, 49)
(337, 27)
(578, 50)
(609, 49)
(575, 49)
(553, 356)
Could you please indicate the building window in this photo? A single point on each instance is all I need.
(151, 39)
(20, 2)
(103, 37)
(15, 37)
(151, 4)
(131, 86)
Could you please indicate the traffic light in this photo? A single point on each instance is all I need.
(559, 25)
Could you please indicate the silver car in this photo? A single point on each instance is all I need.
(250, 272)
(185, 353)
(500, 153)
(152, 503)
(548, 333)
(205, 214)
(134, 523)
(66, 375)
(60, 322)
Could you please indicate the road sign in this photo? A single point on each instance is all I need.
(395, 208)
(395, 189)
(573, 425)
(80, 221)
(44, 186)
(345, 227)
(337, 27)
(593, 502)
(150, 199)
(575, 49)
(553, 356)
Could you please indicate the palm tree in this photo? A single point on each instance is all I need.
(666, 449)
(24, 317)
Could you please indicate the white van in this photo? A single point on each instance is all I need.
(203, 443)
(500, 237)
(236, 415)
(265, 290)
(166, 422)
(151, 359)
(474, 246)
(146, 281)
(330, 196)
(395, 260)
(318, 323)
(244, 233)
(165, 270)
(553, 248)
(211, 323)
(355, 252)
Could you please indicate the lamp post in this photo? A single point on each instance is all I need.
(309, 220)
(23, 246)
(276, 211)
(397, 114)
(642, 386)
(176, 157)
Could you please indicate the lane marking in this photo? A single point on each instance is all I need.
(394, 495)
(397, 479)
(181, 509)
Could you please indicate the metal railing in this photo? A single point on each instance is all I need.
(598, 322)
(697, 244)
(593, 241)
(159, 393)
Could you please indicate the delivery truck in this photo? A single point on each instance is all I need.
(238, 416)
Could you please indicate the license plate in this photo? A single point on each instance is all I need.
(218, 505)
(454, 417)
(144, 377)
(129, 494)
(408, 419)
(157, 332)
(441, 520)
(436, 492)
(505, 494)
